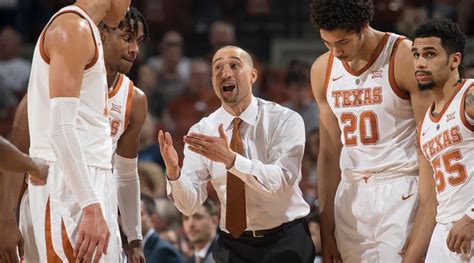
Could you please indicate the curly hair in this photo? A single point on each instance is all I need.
(351, 15)
(132, 19)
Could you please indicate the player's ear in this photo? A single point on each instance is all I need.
(455, 59)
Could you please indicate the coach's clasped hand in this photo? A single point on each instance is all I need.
(214, 148)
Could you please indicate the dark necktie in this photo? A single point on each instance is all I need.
(236, 221)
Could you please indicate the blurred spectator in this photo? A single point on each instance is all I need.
(14, 70)
(308, 169)
(315, 230)
(155, 248)
(149, 150)
(148, 82)
(300, 100)
(411, 17)
(200, 229)
(152, 179)
(196, 102)
(168, 219)
(171, 65)
(221, 34)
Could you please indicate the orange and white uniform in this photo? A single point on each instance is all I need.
(120, 107)
(377, 195)
(56, 212)
(447, 141)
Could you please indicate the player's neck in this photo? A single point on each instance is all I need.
(371, 42)
(96, 10)
(112, 78)
(442, 94)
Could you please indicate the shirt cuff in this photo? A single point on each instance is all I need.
(242, 167)
(470, 212)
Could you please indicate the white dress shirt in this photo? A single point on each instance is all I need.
(274, 138)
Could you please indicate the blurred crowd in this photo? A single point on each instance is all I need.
(173, 70)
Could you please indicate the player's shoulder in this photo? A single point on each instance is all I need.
(319, 70)
(320, 64)
(70, 24)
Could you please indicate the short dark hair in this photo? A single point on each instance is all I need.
(210, 207)
(452, 38)
(131, 20)
(149, 204)
(351, 15)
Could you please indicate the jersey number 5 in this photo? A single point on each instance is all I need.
(368, 128)
(450, 168)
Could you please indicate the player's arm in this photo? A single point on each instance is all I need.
(69, 44)
(328, 170)
(10, 188)
(420, 100)
(125, 164)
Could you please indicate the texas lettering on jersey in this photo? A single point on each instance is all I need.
(357, 97)
(442, 140)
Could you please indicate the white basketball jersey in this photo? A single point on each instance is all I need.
(447, 141)
(375, 116)
(120, 107)
(92, 124)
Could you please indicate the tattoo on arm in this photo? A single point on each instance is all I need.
(469, 101)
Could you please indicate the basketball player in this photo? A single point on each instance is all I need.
(128, 108)
(369, 103)
(446, 137)
(69, 127)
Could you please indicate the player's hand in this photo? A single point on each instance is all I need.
(461, 235)
(93, 235)
(329, 249)
(135, 252)
(214, 148)
(39, 175)
(10, 241)
(169, 154)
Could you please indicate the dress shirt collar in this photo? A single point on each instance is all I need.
(203, 252)
(148, 235)
(249, 115)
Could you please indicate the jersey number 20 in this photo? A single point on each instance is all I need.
(367, 125)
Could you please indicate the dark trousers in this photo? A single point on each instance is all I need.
(289, 243)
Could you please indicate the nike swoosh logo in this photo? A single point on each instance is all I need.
(334, 79)
(406, 197)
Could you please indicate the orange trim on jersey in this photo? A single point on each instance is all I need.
(463, 110)
(51, 255)
(129, 105)
(372, 59)
(45, 56)
(67, 247)
(419, 133)
(328, 72)
(391, 72)
(117, 86)
(436, 119)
